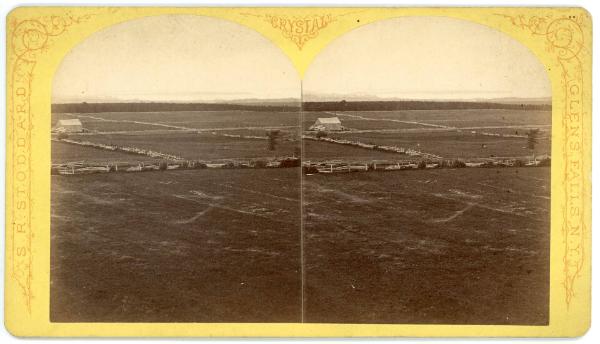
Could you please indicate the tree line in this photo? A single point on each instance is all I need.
(417, 105)
(306, 106)
(166, 107)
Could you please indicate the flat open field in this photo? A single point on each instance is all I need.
(165, 132)
(95, 123)
(463, 118)
(445, 246)
(432, 246)
(418, 129)
(452, 144)
(121, 121)
(211, 119)
(318, 151)
(190, 246)
(200, 146)
(353, 123)
(447, 133)
(65, 153)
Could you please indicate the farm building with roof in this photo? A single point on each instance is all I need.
(68, 126)
(327, 124)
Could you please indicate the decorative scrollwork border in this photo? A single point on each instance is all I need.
(565, 39)
(298, 29)
(29, 39)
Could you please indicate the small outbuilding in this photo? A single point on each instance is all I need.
(68, 126)
(327, 124)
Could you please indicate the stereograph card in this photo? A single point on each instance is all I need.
(298, 172)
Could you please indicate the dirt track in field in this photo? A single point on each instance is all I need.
(189, 246)
(466, 246)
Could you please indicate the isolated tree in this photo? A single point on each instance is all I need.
(532, 140)
(273, 136)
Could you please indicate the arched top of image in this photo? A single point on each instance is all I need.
(180, 58)
(426, 58)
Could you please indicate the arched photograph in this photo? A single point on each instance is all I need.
(174, 192)
(428, 199)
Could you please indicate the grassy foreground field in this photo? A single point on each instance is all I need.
(458, 246)
(465, 246)
(190, 246)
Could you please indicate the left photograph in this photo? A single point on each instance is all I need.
(175, 188)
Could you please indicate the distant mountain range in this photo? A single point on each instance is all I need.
(258, 101)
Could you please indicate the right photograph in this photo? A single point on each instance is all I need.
(426, 153)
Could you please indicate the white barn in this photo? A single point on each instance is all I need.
(68, 126)
(327, 124)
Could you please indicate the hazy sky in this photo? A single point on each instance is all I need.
(175, 58)
(195, 58)
(426, 58)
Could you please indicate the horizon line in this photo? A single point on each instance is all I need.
(250, 101)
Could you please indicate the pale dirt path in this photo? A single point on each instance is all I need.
(173, 128)
(391, 120)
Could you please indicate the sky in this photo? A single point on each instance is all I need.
(186, 58)
(175, 58)
(425, 58)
